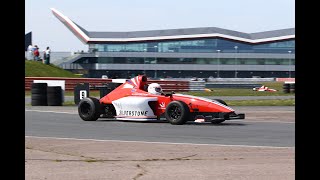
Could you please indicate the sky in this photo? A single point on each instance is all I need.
(246, 16)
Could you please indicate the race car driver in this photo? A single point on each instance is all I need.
(155, 88)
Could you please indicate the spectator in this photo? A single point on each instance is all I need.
(47, 55)
(36, 53)
(30, 52)
(33, 49)
(44, 57)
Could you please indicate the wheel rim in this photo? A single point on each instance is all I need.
(175, 112)
(85, 109)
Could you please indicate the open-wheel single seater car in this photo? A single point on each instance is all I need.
(132, 102)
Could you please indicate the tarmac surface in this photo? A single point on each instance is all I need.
(235, 132)
(59, 145)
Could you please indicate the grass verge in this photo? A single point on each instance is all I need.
(38, 69)
(265, 102)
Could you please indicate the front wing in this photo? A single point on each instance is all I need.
(209, 117)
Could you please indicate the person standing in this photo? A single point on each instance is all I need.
(36, 53)
(30, 52)
(44, 57)
(47, 55)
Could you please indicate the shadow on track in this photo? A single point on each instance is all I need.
(190, 123)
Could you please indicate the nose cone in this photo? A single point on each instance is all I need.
(218, 107)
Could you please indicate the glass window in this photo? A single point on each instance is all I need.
(152, 60)
(198, 46)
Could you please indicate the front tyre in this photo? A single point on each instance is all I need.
(89, 109)
(177, 112)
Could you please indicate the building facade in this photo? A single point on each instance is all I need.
(27, 40)
(182, 53)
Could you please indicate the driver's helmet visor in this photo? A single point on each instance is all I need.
(157, 89)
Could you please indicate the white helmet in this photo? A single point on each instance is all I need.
(155, 88)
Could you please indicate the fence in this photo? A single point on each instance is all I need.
(71, 83)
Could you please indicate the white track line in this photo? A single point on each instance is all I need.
(58, 112)
(257, 121)
(170, 143)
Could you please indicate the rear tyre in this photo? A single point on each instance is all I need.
(89, 109)
(177, 112)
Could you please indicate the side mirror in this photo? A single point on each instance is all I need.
(170, 94)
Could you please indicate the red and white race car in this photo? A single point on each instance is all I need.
(264, 88)
(132, 102)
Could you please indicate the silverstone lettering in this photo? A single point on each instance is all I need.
(133, 113)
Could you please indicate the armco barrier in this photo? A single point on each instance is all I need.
(71, 83)
(232, 85)
(286, 79)
(196, 85)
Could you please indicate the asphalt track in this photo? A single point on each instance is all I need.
(64, 122)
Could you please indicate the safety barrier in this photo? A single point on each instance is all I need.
(71, 83)
(44, 95)
(39, 94)
(237, 85)
(289, 87)
(196, 85)
(286, 79)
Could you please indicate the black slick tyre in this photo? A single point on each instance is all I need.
(54, 96)
(89, 109)
(39, 94)
(177, 112)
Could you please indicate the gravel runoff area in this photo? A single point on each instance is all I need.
(56, 159)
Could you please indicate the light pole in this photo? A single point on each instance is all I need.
(218, 75)
(144, 61)
(155, 61)
(235, 62)
(289, 64)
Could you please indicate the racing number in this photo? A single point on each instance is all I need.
(83, 94)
